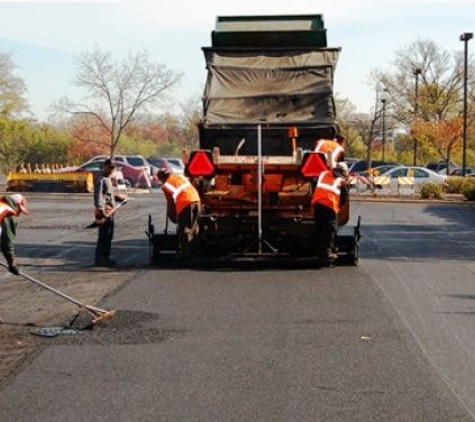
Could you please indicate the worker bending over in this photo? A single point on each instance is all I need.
(332, 149)
(183, 208)
(329, 196)
(11, 206)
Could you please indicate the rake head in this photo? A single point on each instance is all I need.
(104, 316)
(90, 316)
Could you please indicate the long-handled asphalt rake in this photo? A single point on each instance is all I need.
(97, 314)
(100, 221)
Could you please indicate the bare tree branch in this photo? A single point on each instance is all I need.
(122, 88)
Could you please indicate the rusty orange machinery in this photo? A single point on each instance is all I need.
(229, 184)
(50, 182)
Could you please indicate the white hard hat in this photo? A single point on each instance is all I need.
(21, 202)
(343, 166)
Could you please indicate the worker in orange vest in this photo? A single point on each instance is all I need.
(329, 196)
(332, 149)
(183, 208)
(10, 206)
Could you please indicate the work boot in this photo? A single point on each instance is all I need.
(329, 259)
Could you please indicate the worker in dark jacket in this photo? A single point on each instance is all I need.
(183, 208)
(329, 196)
(11, 206)
(104, 204)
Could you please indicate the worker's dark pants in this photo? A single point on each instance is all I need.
(104, 239)
(326, 227)
(188, 228)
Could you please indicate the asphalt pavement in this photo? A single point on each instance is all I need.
(390, 340)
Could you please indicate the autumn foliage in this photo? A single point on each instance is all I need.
(87, 140)
(442, 137)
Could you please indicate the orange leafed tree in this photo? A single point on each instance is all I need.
(154, 132)
(442, 136)
(88, 140)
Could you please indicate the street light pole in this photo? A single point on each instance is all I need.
(416, 72)
(465, 37)
(383, 100)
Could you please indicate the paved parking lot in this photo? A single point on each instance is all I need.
(54, 247)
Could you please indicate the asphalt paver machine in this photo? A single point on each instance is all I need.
(268, 98)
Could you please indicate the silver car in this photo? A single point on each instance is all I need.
(418, 175)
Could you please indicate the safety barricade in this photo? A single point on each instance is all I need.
(352, 180)
(365, 180)
(405, 185)
(382, 180)
(361, 183)
(50, 182)
(382, 185)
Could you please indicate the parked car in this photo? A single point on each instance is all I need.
(441, 166)
(378, 171)
(459, 171)
(159, 162)
(362, 165)
(137, 161)
(126, 174)
(421, 176)
(350, 161)
(173, 164)
(177, 164)
(95, 168)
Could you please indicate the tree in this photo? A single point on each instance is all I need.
(440, 82)
(191, 112)
(443, 137)
(118, 91)
(25, 141)
(11, 135)
(88, 139)
(350, 124)
(12, 88)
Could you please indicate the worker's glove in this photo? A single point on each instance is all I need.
(98, 213)
(338, 173)
(14, 269)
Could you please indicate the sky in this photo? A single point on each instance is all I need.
(43, 38)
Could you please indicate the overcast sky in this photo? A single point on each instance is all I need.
(44, 37)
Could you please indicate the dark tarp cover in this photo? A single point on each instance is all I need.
(281, 86)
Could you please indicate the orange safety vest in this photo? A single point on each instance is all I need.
(326, 146)
(327, 191)
(6, 210)
(181, 190)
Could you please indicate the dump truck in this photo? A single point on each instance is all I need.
(268, 98)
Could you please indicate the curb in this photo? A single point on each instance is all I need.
(456, 199)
